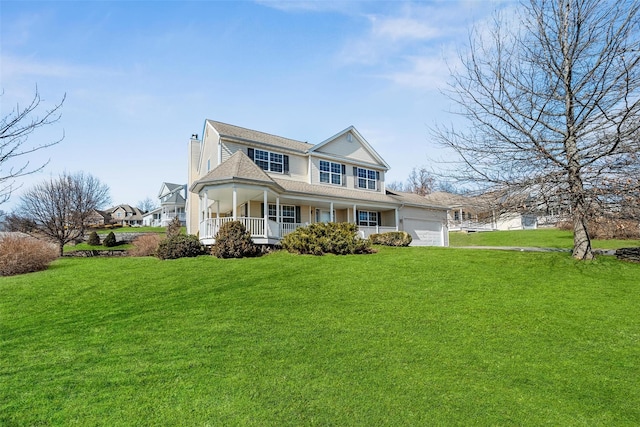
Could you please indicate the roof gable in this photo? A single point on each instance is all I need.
(168, 187)
(349, 143)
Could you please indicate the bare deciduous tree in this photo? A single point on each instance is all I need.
(552, 102)
(58, 209)
(15, 130)
(420, 181)
(147, 205)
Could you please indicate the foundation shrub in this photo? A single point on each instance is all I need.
(23, 254)
(234, 241)
(146, 245)
(180, 246)
(94, 239)
(110, 241)
(339, 238)
(391, 238)
(174, 228)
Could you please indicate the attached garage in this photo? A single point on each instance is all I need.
(425, 232)
(427, 224)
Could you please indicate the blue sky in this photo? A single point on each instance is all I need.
(141, 77)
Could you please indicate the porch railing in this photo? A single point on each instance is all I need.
(256, 226)
(367, 231)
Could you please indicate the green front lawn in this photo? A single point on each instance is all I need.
(407, 336)
(540, 238)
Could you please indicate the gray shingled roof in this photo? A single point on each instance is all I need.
(238, 166)
(248, 135)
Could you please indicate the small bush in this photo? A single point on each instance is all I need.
(234, 241)
(146, 245)
(174, 228)
(338, 238)
(391, 238)
(94, 239)
(110, 241)
(180, 246)
(23, 254)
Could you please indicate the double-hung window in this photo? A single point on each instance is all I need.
(366, 178)
(287, 213)
(367, 218)
(331, 173)
(269, 161)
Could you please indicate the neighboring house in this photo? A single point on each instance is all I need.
(97, 218)
(488, 212)
(152, 218)
(274, 185)
(173, 199)
(125, 215)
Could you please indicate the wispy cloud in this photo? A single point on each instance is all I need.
(412, 44)
(310, 5)
(29, 66)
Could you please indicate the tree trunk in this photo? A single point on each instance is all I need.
(61, 248)
(581, 241)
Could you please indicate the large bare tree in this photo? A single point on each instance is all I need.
(552, 97)
(16, 128)
(58, 208)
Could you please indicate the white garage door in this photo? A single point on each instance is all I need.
(424, 232)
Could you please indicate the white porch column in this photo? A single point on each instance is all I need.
(355, 214)
(278, 218)
(235, 201)
(206, 206)
(217, 202)
(331, 212)
(397, 220)
(200, 216)
(266, 215)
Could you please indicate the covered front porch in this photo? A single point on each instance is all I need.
(269, 215)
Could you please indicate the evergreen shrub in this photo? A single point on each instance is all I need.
(234, 241)
(180, 246)
(94, 239)
(110, 240)
(174, 228)
(340, 238)
(391, 238)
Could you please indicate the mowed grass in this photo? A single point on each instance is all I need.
(540, 238)
(407, 336)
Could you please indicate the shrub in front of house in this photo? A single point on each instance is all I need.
(174, 228)
(391, 238)
(234, 241)
(23, 254)
(180, 246)
(110, 241)
(145, 245)
(339, 238)
(94, 239)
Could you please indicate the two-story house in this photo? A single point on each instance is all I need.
(275, 184)
(172, 203)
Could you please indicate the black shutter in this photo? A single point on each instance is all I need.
(250, 153)
(286, 163)
(378, 186)
(298, 215)
(261, 210)
(344, 175)
(355, 177)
